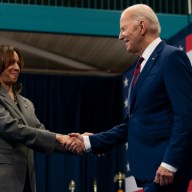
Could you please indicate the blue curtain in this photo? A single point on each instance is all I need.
(67, 104)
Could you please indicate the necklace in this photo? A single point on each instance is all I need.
(13, 96)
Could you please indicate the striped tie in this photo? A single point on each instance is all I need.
(137, 71)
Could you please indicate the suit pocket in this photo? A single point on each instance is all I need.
(5, 145)
(6, 152)
(6, 157)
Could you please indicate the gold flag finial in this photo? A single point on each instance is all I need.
(72, 186)
(119, 177)
(95, 185)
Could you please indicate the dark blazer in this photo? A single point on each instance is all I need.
(20, 133)
(159, 124)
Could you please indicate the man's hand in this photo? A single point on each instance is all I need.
(163, 176)
(80, 136)
(72, 144)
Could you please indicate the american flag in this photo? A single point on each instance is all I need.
(186, 45)
(130, 184)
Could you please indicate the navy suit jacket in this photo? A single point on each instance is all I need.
(159, 124)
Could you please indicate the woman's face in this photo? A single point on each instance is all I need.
(10, 74)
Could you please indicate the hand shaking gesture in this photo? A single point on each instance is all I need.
(68, 143)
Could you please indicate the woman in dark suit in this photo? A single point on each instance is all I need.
(20, 130)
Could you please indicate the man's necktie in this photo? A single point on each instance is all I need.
(137, 71)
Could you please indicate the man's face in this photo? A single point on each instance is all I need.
(130, 33)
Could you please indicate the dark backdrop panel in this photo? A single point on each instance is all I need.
(76, 104)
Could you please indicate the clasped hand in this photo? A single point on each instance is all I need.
(72, 142)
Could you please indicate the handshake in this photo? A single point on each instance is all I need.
(72, 142)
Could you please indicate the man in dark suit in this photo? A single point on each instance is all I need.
(20, 130)
(158, 126)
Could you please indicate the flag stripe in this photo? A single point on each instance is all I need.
(188, 40)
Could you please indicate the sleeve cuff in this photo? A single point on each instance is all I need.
(169, 167)
(87, 143)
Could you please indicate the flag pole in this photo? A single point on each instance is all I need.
(189, 7)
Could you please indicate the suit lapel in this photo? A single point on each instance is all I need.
(9, 101)
(148, 66)
(22, 106)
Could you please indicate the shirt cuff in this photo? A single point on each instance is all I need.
(169, 167)
(87, 143)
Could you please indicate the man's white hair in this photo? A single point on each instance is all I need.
(142, 11)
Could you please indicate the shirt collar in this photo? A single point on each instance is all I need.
(151, 47)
